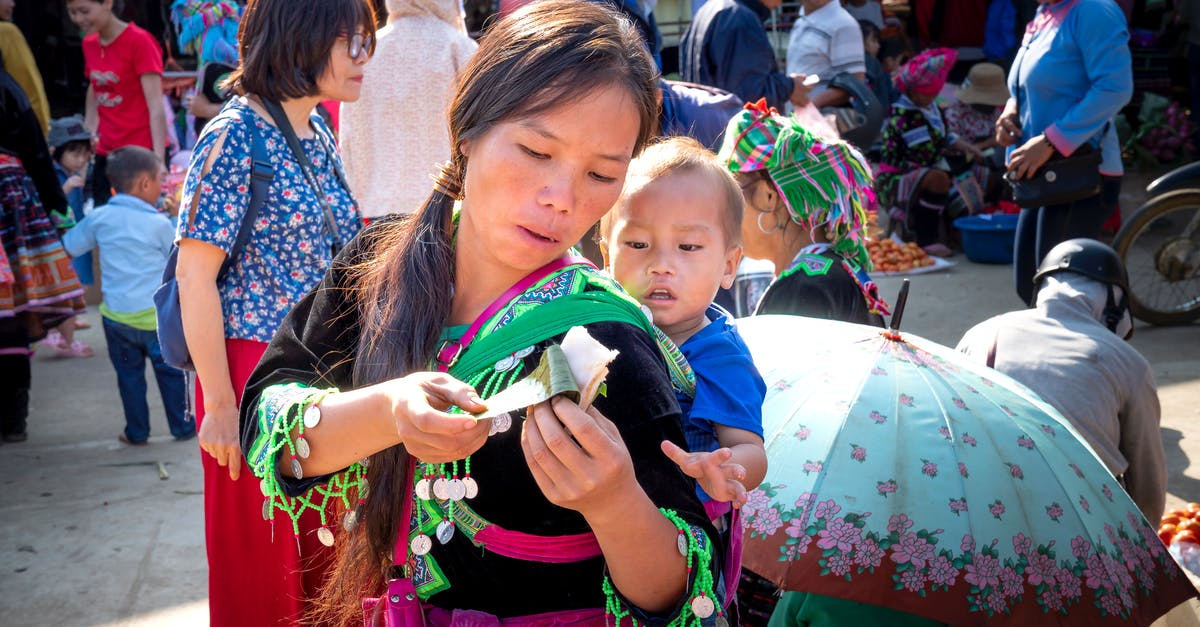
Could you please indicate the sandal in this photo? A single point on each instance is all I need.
(54, 340)
(76, 349)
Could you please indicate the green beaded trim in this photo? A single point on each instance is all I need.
(699, 562)
(280, 412)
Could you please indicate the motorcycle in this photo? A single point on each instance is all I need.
(1160, 245)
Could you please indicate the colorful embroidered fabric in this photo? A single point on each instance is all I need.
(926, 73)
(823, 184)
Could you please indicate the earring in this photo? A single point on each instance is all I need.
(778, 227)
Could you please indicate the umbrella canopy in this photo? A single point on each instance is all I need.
(902, 475)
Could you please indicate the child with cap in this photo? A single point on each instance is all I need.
(806, 200)
(914, 181)
(672, 239)
(978, 103)
(136, 239)
(71, 148)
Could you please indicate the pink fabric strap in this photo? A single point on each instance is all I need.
(532, 548)
(400, 552)
(450, 351)
(884, 168)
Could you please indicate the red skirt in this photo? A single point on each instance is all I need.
(259, 573)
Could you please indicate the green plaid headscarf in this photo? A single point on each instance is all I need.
(822, 182)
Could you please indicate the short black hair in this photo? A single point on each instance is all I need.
(127, 164)
(892, 47)
(284, 45)
(868, 27)
(71, 146)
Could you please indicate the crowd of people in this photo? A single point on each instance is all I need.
(345, 316)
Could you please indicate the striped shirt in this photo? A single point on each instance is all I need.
(826, 42)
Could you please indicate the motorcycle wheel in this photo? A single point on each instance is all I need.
(1160, 246)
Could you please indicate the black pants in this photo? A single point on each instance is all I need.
(15, 380)
(1040, 229)
(101, 186)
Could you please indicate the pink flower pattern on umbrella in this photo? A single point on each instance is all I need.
(1102, 577)
(782, 385)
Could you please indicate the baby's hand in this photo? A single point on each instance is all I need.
(721, 479)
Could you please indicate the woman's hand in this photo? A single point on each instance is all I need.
(418, 403)
(73, 182)
(577, 458)
(1008, 129)
(219, 437)
(1032, 155)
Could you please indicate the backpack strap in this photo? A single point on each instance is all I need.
(262, 173)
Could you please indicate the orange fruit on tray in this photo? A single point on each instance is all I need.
(1166, 535)
(1171, 520)
(1187, 536)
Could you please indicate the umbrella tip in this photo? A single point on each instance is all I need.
(893, 331)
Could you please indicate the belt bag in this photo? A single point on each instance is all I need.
(1060, 180)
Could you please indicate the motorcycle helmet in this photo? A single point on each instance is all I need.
(861, 122)
(1096, 261)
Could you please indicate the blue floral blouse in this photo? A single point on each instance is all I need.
(290, 248)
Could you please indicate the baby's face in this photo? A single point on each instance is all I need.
(668, 249)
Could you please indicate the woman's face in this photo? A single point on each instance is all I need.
(343, 76)
(534, 186)
(90, 16)
(921, 100)
(761, 200)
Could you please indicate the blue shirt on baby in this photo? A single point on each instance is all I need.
(729, 390)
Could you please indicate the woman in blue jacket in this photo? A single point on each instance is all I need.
(1072, 74)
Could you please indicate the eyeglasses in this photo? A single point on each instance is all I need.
(359, 46)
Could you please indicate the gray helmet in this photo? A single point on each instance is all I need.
(1094, 260)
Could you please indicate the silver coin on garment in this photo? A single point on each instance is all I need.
(420, 545)
(445, 531)
(312, 416)
(441, 489)
(350, 520)
(471, 487)
(524, 352)
(364, 488)
(501, 423)
(456, 490)
(266, 489)
(703, 607)
(302, 449)
(681, 541)
(423, 489)
(267, 509)
(297, 471)
(325, 536)
(506, 364)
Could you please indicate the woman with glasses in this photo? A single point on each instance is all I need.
(293, 54)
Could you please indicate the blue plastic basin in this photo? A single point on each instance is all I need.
(988, 238)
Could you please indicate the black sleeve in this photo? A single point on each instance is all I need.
(316, 343)
(833, 296)
(22, 136)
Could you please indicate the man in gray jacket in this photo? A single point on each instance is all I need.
(1071, 351)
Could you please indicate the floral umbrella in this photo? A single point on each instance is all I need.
(902, 475)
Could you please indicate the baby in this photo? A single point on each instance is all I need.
(673, 239)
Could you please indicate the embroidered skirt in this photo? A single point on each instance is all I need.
(37, 281)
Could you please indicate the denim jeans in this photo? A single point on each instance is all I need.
(1040, 229)
(128, 349)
